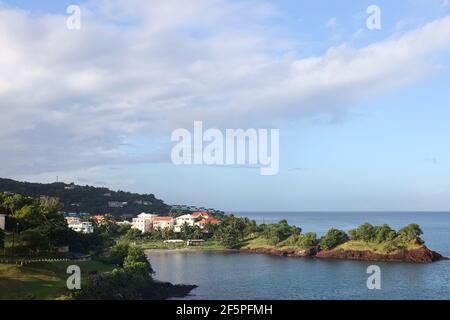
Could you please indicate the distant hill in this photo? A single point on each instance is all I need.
(89, 199)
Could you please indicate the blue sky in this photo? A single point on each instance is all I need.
(363, 114)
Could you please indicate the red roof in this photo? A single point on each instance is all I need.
(210, 220)
(162, 219)
(200, 214)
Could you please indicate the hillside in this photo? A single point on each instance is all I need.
(89, 199)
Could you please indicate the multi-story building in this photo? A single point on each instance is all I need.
(163, 223)
(144, 222)
(182, 220)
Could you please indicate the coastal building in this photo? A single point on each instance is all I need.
(83, 227)
(202, 223)
(163, 223)
(73, 220)
(2, 221)
(143, 222)
(182, 220)
(200, 214)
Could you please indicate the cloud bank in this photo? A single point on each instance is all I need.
(138, 70)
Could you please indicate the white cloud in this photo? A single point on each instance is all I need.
(71, 99)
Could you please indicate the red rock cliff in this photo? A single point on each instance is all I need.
(422, 255)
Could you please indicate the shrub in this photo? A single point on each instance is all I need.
(333, 238)
(276, 233)
(384, 233)
(365, 232)
(410, 233)
(307, 240)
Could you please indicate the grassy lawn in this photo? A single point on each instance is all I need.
(373, 247)
(41, 280)
(258, 242)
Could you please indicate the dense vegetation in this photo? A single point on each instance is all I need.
(87, 198)
(389, 240)
(130, 280)
(37, 226)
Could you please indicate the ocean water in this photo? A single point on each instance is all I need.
(251, 276)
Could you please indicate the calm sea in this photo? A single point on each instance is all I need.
(246, 276)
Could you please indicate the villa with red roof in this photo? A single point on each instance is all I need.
(200, 214)
(204, 221)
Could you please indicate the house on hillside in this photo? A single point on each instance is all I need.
(143, 202)
(116, 204)
(83, 227)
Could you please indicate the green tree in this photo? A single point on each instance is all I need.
(231, 240)
(333, 238)
(276, 233)
(28, 217)
(307, 240)
(34, 240)
(365, 232)
(411, 233)
(137, 260)
(384, 234)
(16, 202)
(119, 252)
(133, 234)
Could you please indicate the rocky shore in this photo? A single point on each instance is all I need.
(421, 255)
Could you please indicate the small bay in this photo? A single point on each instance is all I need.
(253, 276)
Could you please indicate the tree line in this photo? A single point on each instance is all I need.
(38, 226)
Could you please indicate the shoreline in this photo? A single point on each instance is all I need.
(421, 255)
(189, 250)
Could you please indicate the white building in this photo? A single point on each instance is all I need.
(73, 220)
(2, 221)
(182, 220)
(83, 227)
(143, 222)
(163, 223)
